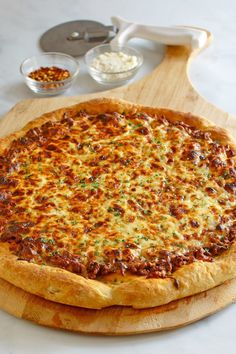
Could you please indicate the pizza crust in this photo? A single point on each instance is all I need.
(65, 287)
(109, 105)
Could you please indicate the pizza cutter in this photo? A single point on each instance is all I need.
(77, 37)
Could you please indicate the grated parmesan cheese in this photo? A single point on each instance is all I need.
(114, 62)
(114, 65)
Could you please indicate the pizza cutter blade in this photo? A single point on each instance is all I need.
(76, 37)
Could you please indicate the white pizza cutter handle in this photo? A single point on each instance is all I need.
(174, 35)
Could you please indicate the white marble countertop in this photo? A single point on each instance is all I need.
(214, 75)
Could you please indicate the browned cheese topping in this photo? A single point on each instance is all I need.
(116, 193)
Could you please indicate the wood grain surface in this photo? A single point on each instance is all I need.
(167, 86)
(115, 320)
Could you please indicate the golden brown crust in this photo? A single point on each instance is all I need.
(62, 286)
(99, 105)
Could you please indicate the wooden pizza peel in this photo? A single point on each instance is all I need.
(167, 86)
(115, 320)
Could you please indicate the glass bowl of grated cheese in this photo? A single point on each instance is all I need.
(113, 65)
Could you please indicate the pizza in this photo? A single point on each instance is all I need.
(112, 203)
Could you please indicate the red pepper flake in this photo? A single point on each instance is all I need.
(49, 74)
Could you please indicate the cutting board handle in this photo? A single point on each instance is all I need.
(175, 35)
(168, 85)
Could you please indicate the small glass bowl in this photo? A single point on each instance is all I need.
(49, 59)
(114, 77)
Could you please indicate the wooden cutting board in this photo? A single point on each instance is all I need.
(167, 86)
(115, 320)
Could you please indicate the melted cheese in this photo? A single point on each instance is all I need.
(119, 181)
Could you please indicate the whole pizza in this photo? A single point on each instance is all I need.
(111, 203)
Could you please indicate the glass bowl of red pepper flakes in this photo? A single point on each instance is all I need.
(49, 73)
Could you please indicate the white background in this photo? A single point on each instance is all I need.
(214, 75)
